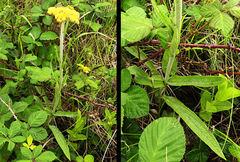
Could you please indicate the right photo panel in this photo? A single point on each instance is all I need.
(180, 81)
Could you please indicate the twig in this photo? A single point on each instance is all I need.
(9, 108)
(87, 99)
(108, 145)
(7, 77)
(141, 121)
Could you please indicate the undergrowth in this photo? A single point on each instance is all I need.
(46, 115)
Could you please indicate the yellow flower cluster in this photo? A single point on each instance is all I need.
(84, 68)
(63, 13)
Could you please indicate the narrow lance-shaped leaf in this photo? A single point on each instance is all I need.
(195, 124)
(195, 80)
(60, 140)
(166, 20)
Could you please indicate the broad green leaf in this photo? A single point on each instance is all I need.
(79, 84)
(3, 56)
(230, 4)
(89, 158)
(137, 103)
(48, 3)
(11, 146)
(14, 129)
(195, 124)
(30, 57)
(163, 139)
(135, 28)
(195, 80)
(234, 149)
(18, 139)
(46, 156)
(217, 106)
(235, 11)
(37, 118)
(60, 140)
(37, 151)
(227, 93)
(209, 10)
(126, 79)
(160, 14)
(136, 11)
(47, 20)
(78, 137)
(37, 11)
(66, 114)
(79, 159)
(26, 152)
(38, 134)
(127, 4)
(27, 39)
(2, 140)
(39, 74)
(95, 26)
(102, 4)
(223, 22)
(35, 32)
(194, 10)
(156, 21)
(48, 36)
(142, 78)
(91, 83)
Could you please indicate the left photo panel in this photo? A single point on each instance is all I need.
(58, 80)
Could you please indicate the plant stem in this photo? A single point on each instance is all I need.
(59, 86)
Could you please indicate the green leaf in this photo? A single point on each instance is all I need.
(91, 83)
(30, 57)
(37, 118)
(48, 3)
(135, 28)
(163, 139)
(79, 159)
(11, 146)
(137, 102)
(35, 32)
(217, 106)
(14, 129)
(18, 139)
(136, 11)
(27, 39)
(79, 84)
(37, 11)
(227, 93)
(47, 20)
(230, 4)
(195, 80)
(127, 4)
(66, 114)
(142, 78)
(48, 36)
(60, 140)
(223, 22)
(160, 14)
(205, 97)
(2, 140)
(46, 156)
(126, 79)
(209, 10)
(235, 11)
(78, 137)
(95, 26)
(38, 134)
(89, 158)
(3, 56)
(39, 74)
(195, 124)
(26, 152)
(235, 151)
(165, 61)
(157, 22)
(37, 151)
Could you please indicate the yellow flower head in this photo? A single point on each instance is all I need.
(84, 68)
(63, 13)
